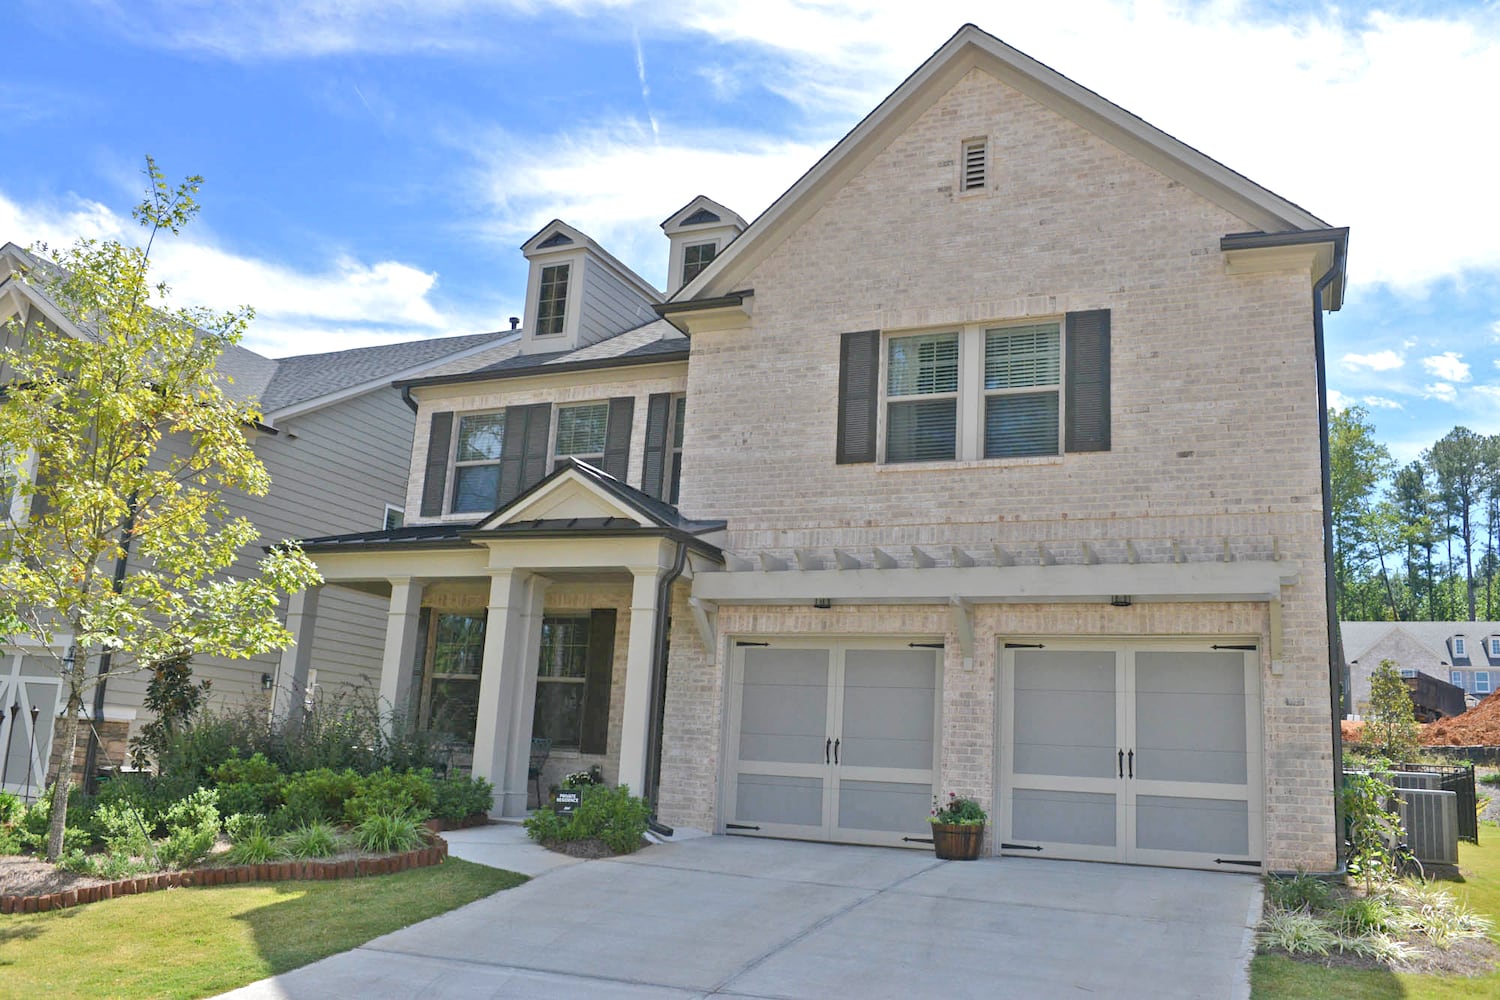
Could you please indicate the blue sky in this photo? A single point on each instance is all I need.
(373, 165)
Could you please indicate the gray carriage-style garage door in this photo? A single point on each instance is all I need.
(832, 741)
(1138, 752)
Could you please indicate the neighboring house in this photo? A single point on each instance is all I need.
(1463, 654)
(986, 460)
(336, 440)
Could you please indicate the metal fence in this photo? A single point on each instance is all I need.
(1458, 779)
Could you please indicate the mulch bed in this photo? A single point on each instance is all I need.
(589, 849)
(25, 888)
(1465, 957)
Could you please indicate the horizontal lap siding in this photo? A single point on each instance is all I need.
(609, 306)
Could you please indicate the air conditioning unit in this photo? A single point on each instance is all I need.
(1430, 818)
(1415, 779)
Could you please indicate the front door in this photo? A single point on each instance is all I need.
(833, 741)
(1139, 752)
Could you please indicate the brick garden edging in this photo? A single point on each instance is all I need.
(274, 871)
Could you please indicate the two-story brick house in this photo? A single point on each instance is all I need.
(986, 460)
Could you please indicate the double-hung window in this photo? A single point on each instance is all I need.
(1022, 391)
(695, 257)
(922, 390)
(476, 462)
(1456, 678)
(560, 683)
(679, 422)
(1481, 682)
(581, 432)
(981, 392)
(552, 300)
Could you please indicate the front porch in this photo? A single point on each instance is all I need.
(546, 619)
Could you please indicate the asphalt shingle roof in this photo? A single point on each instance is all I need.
(309, 376)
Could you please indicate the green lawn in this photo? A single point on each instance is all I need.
(198, 942)
(1273, 976)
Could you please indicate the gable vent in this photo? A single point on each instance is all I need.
(974, 163)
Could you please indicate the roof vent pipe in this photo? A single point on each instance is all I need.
(515, 321)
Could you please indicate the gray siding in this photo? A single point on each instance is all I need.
(334, 472)
(609, 305)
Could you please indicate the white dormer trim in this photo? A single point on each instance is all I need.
(719, 228)
(581, 241)
(677, 221)
(569, 495)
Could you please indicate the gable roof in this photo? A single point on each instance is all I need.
(281, 385)
(641, 509)
(971, 48)
(557, 236)
(1434, 637)
(701, 211)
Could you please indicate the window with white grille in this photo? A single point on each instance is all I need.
(974, 165)
(1459, 648)
(1481, 682)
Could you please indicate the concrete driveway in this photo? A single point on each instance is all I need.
(737, 917)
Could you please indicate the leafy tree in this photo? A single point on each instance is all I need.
(133, 444)
(1414, 501)
(1358, 464)
(1460, 461)
(1391, 724)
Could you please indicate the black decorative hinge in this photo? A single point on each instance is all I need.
(1020, 847)
(1248, 864)
(1248, 648)
(925, 645)
(1024, 645)
(917, 840)
(739, 826)
(742, 642)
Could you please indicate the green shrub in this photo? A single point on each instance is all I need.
(253, 770)
(388, 793)
(241, 825)
(123, 829)
(315, 797)
(36, 823)
(11, 808)
(10, 840)
(316, 840)
(76, 861)
(152, 796)
(1300, 891)
(192, 828)
(1297, 932)
(461, 797)
(108, 865)
(385, 833)
(612, 815)
(254, 847)
(1363, 915)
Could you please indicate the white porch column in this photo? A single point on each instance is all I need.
(503, 729)
(400, 644)
(636, 724)
(291, 672)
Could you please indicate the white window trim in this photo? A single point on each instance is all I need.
(1408, 672)
(18, 506)
(595, 459)
(969, 435)
(451, 487)
(1495, 647)
(683, 279)
(567, 300)
(1456, 678)
(385, 518)
(1482, 682)
(1460, 647)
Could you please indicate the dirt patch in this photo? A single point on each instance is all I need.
(1465, 957)
(1479, 726)
(588, 849)
(26, 876)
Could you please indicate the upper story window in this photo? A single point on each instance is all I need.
(695, 257)
(1456, 678)
(1481, 682)
(476, 461)
(14, 505)
(1408, 672)
(1459, 646)
(1495, 647)
(679, 422)
(552, 300)
(395, 517)
(1006, 404)
(581, 432)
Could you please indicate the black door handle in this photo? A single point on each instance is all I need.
(826, 744)
(835, 751)
(1122, 763)
(1132, 763)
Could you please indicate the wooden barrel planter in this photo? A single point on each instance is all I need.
(957, 841)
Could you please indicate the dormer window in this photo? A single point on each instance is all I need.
(695, 257)
(1459, 648)
(552, 300)
(1495, 647)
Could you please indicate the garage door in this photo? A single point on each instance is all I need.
(832, 741)
(1136, 752)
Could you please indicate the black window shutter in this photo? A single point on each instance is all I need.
(617, 436)
(598, 678)
(859, 395)
(1088, 381)
(435, 480)
(523, 452)
(658, 436)
(536, 464)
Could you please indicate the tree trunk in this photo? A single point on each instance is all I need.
(1468, 561)
(68, 742)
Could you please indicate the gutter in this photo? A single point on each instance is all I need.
(406, 397)
(1335, 641)
(618, 361)
(656, 716)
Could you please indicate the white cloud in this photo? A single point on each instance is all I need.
(1441, 391)
(1337, 400)
(341, 303)
(1381, 403)
(1491, 392)
(1448, 366)
(1380, 361)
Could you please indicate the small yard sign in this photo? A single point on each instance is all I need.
(567, 800)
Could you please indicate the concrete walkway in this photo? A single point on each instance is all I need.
(743, 918)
